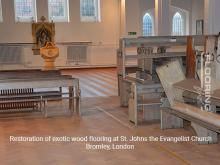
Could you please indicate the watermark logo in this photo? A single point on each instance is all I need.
(204, 98)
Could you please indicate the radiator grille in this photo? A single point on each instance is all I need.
(77, 53)
(10, 54)
(9, 101)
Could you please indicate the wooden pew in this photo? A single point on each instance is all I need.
(18, 90)
(17, 104)
(174, 110)
(17, 74)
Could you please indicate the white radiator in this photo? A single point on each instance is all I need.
(10, 54)
(77, 54)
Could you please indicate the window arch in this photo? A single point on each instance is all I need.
(178, 24)
(147, 25)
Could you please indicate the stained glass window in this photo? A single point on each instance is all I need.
(58, 10)
(147, 25)
(25, 10)
(90, 10)
(177, 24)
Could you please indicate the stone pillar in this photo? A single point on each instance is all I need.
(122, 18)
(162, 18)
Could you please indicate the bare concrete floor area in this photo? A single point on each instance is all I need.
(101, 116)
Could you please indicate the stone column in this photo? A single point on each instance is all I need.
(162, 18)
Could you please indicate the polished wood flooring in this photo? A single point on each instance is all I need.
(96, 82)
(101, 116)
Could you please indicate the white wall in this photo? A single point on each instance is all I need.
(104, 35)
(132, 17)
(106, 31)
(101, 33)
(197, 13)
(122, 18)
(211, 15)
(185, 15)
(146, 5)
(136, 13)
(185, 5)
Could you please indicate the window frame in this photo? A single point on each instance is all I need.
(182, 22)
(64, 18)
(96, 17)
(26, 19)
(148, 14)
(1, 15)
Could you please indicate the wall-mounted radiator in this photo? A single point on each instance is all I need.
(77, 54)
(10, 102)
(11, 54)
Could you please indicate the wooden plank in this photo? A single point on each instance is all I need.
(28, 74)
(132, 105)
(53, 83)
(151, 112)
(194, 86)
(170, 121)
(218, 61)
(190, 85)
(190, 59)
(216, 94)
(211, 49)
(189, 110)
(148, 101)
(36, 79)
(164, 40)
(190, 118)
(170, 74)
(157, 55)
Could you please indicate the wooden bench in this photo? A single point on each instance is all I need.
(205, 124)
(9, 102)
(174, 110)
(18, 91)
(145, 98)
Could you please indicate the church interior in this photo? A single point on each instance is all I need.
(109, 82)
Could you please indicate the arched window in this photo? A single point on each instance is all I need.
(147, 25)
(177, 24)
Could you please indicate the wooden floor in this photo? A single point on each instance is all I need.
(96, 82)
(101, 116)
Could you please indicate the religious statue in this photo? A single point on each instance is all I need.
(43, 39)
(42, 33)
